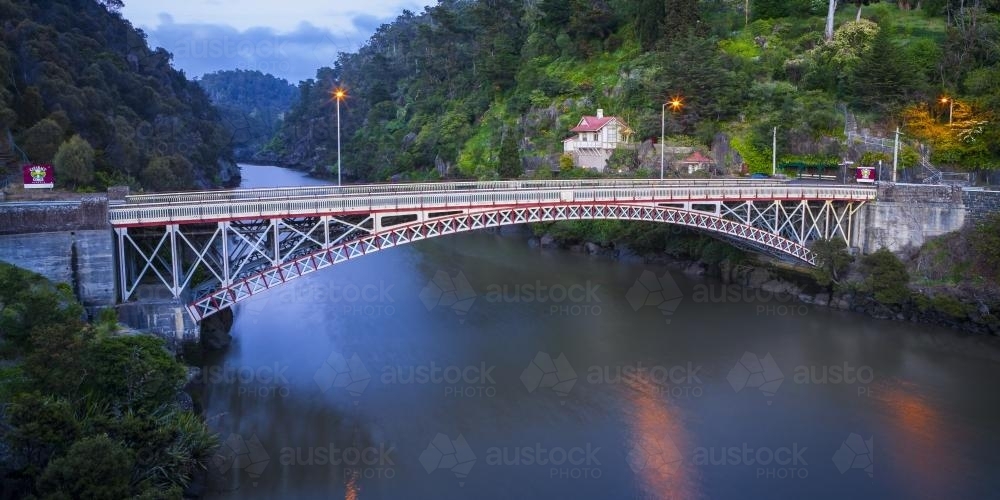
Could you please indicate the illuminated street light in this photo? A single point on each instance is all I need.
(951, 106)
(675, 105)
(338, 94)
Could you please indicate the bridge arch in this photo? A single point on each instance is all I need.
(379, 238)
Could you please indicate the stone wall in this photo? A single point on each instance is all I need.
(979, 203)
(52, 216)
(83, 259)
(907, 215)
(167, 318)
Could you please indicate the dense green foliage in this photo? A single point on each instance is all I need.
(985, 240)
(886, 277)
(437, 91)
(76, 67)
(252, 106)
(967, 257)
(88, 414)
(74, 161)
(832, 260)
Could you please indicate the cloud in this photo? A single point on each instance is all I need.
(200, 48)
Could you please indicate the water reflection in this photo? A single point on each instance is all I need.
(929, 409)
(658, 437)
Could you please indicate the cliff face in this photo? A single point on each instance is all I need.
(77, 68)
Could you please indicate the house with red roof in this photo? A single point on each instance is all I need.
(695, 162)
(596, 137)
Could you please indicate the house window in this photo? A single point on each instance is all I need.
(613, 135)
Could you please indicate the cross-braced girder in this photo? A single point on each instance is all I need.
(777, 228)
(218, 254)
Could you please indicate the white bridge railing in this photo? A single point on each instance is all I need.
(431, 187)
(271, 203)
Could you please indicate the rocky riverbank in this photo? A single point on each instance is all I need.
(797, 285)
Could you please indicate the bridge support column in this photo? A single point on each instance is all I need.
(166, 317)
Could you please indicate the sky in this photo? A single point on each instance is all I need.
(286, 38)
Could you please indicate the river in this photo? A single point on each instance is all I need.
(474, 366)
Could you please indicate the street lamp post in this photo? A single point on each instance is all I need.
(338, 94)
(675, 104)
(951, 106)
(663, 129)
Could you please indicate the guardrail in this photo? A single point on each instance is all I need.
(207, 211)
(431, 187)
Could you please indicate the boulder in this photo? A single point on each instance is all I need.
(215, 329)
(548, 241)
(758, 277)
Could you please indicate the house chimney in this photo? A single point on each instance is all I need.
(600, 113)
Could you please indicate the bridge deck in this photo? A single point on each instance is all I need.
(213, 206)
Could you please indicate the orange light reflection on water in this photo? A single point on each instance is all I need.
(919, 438)
(658, 444)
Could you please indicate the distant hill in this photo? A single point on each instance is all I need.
(76, 67)
(252, 105)
(438, 91)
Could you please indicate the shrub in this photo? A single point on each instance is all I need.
(887, 279)
(74, 162)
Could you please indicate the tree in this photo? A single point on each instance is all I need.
(883, 79)
(832, 259)
(861, 3)
(682, 18)
(112, 5)
(94, 467)
(985, 241)
(41, 141)
(29, 302)
(510, 157)
(132, 373)
(53, 361)
(565, 162)
(831, 10)
(74, 162)
(166, 173)
(41, 426)
(887, 279)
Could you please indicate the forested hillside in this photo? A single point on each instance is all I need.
(440, 91)
(252, 105)
(83, 90)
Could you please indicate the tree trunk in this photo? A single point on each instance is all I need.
(829, 20)
(859, 14)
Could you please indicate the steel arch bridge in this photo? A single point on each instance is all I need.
(216, 248)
